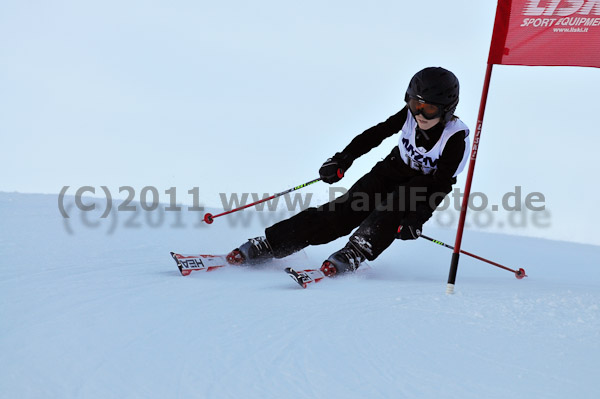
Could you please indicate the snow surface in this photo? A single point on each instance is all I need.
(89, 313)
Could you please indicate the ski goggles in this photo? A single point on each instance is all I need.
(429, 111)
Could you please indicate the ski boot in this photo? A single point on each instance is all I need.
(345, 260)
(252, 252)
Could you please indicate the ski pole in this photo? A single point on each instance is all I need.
(518, 273)
(209, 218)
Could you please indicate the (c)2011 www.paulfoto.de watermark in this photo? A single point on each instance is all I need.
(146, 193)
(153, 208)
(145, 209)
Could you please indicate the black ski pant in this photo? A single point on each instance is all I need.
(376, 204)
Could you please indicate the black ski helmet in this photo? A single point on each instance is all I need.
(435, 85)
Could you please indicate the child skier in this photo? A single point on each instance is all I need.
(395, 198)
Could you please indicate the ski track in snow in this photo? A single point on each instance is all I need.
(94, 315)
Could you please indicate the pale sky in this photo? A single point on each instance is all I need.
(236, 96)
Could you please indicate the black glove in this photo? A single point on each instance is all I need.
(410, 227)
(334, 168)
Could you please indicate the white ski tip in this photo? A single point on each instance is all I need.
(450, 289)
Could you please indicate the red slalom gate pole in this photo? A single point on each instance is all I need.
(209, 218)
(518, 273)
(465, 202)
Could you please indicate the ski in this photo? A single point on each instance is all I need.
(206, 263)
(187, 263)
(305, 277)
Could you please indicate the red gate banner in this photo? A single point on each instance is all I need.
(546, 32)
